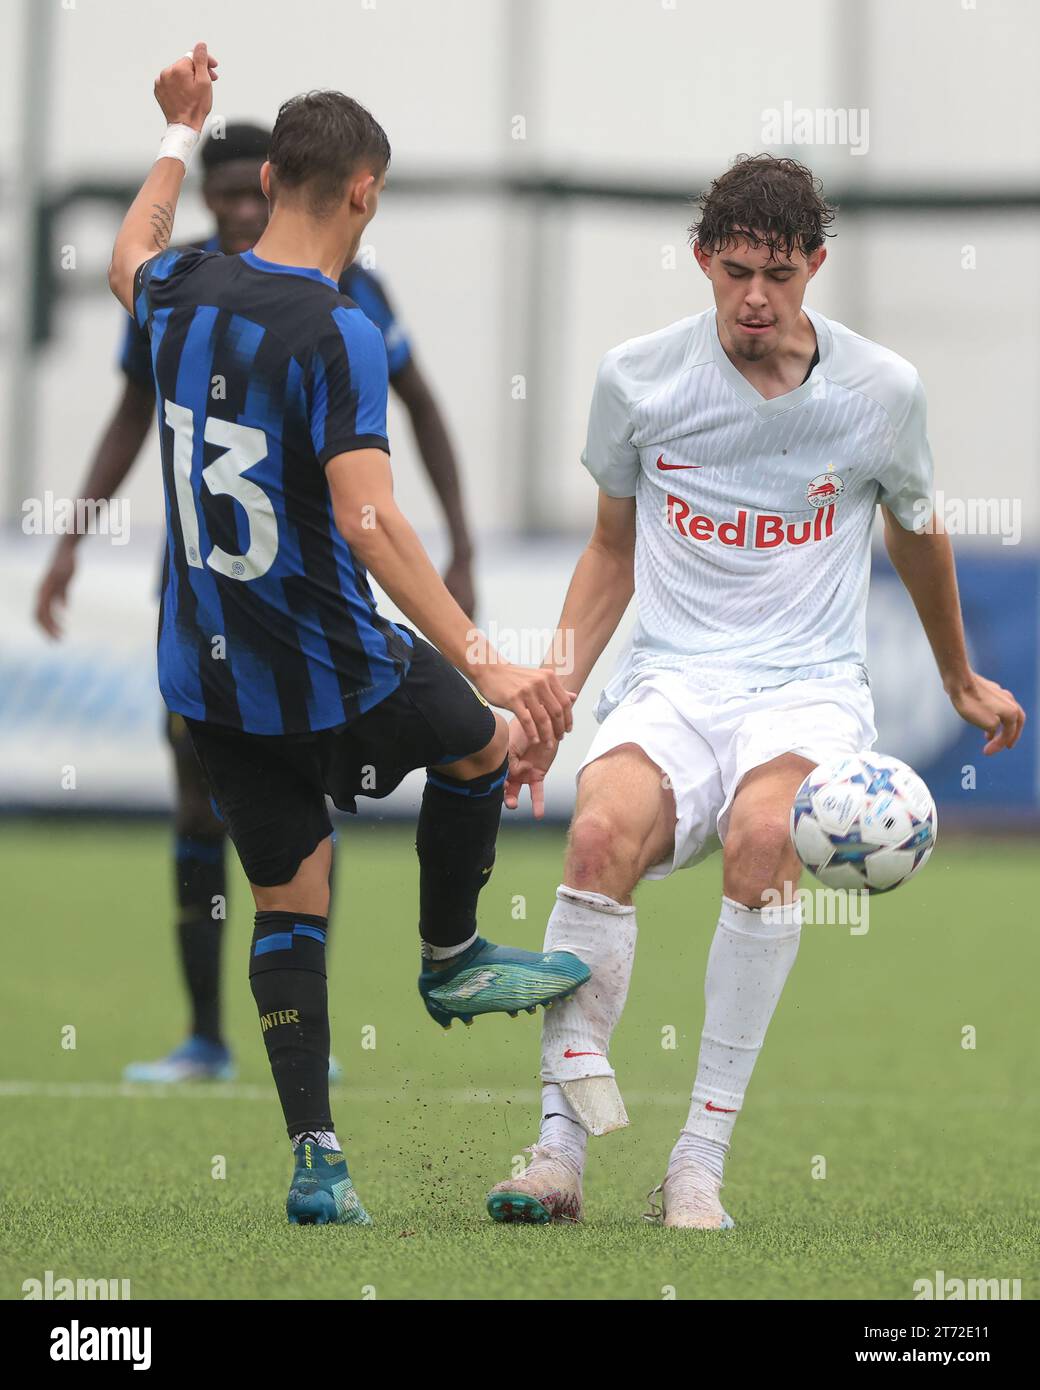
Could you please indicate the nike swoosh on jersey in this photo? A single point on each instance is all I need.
(668, 467)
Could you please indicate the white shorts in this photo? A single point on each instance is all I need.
(706, 743)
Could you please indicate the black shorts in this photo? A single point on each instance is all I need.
(271, 789)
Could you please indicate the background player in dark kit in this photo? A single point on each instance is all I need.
(270, 644)
(231, 188)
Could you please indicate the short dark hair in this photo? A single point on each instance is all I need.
(766, 201)
(239, 140)
(319, 140)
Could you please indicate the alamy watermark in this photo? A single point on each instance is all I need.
(944, 1287)
(59, 1287)
(79, 1342)
(524, 646)
(803, 125)
(970, 516)
(61, 516)
(825, 907)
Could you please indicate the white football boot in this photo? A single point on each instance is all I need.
(549, 1189)
(689, 1201)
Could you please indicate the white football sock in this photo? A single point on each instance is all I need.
(326, 1138)
(576, 1033)
(750, 958)
(705, 1153)
(429, 952)
(561, 1129)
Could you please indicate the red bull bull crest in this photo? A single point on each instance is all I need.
(823, 489)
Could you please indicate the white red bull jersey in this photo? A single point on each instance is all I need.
(754, 516)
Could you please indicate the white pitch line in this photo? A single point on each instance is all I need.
(232, 1090)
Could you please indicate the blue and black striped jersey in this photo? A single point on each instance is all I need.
(358, 284)
(367, 292)
(135, 356)
(263, 373)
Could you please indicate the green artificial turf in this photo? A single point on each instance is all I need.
(929, 1146)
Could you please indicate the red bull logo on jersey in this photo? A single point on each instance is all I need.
(824, 489)
(750, 530)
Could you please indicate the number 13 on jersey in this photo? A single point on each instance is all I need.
(243, 447)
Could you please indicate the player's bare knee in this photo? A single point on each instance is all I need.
(487, 759)
(494, 754)
(598, 852)
(758, 859)
(307, 890)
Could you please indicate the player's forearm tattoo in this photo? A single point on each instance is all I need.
(162, 224)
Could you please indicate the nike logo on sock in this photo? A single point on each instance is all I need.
(720, 1109)
(569, 1053)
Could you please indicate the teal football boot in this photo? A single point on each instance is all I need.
(490, 979)
(198, 1059)
(322, 1193)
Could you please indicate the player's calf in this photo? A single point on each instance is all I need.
(201, 900)
(201, 889)
(455, 840)
(624, 822)
(288, 980)
(752, 952)
(199, 871)
(576, 1036)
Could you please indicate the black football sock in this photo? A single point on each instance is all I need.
(455, 840)
(199, 862)
(332, 886)
(287, 977)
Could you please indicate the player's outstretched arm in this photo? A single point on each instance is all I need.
(116, 451)
(924, 562)
(371, 523)
(599, 592)
(184, 91)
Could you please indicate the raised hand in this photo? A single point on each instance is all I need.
(184, 90)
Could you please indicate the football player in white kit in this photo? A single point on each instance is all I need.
(740, 456)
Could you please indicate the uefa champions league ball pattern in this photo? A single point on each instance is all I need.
(866, 822)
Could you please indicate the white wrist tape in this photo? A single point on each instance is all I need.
(178, 143)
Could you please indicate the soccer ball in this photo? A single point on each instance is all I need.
(866, 822)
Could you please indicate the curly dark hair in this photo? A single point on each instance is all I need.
(765, 201)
